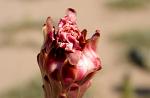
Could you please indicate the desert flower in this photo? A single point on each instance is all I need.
(67, 59)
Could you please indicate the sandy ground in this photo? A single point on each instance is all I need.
(17, 65)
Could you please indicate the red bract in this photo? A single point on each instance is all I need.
(67, 59)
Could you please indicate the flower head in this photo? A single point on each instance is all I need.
(67, 59)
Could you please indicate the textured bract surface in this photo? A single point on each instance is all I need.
(67, 59)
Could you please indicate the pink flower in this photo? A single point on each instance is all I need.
(67, 59)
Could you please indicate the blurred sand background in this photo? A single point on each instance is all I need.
(19, 46)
